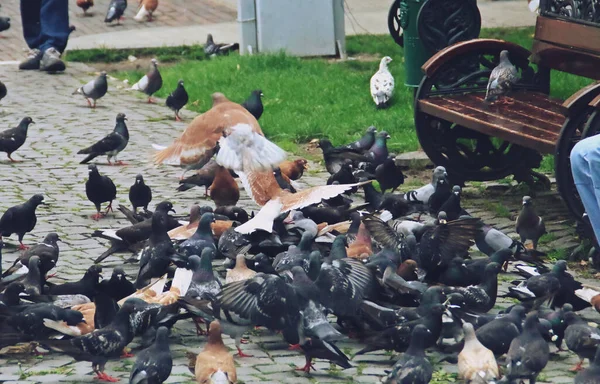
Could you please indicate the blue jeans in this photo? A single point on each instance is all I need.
(45, 23)
(585, 166)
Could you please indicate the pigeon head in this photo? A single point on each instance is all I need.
(51, 238)
(34, 262)
(193, 262)
(119, 273)
(94, 273)
(324, 144)
(504, 57)
(383, 135)
(384, 62)
(206, 258)
(258, 93)
(154, 62)
(103, 74)
(531, 321)
(240, 214)
(442, 217)
(560, 266)
(139, 179)
(180, 83)
(571, 318)
(438, 173)
(92, 169)
(209, 39)
(302, 163)
(456, 190)
(37, 199)
(72, 317)
(298, 271)
(24, 124)
(165, 206)
(526, 200)
(372, 129)
(455, 300)
(567, 308)
(121, 117)
(492, 269)
(205, 221)
(162, 335)
(195, 213)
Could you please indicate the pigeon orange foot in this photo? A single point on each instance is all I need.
(242, 354)
(294, 347)
(97, 216)
(578, 367)
(127, 355)
(306, 367)
(104, 377)
(22, 247)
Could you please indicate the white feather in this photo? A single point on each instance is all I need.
(525, 290)
(182, 280)
(245, 150)
(532, 271)
(385, 215)
(534, 6)
(586, 294)
(263, 219)
(219, 377)
(112, 234)
(159, 147)
(141, 14)
(141, 85)
(61, 327)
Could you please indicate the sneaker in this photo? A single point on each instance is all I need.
(51, 61)
(33, 60)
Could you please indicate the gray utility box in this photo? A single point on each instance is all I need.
(298, 27)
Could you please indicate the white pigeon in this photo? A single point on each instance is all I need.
(382, 83)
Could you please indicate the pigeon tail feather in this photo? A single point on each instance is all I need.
(141, 14)
(245, 150)
(62, 327)
(182, 280)
(170, 155)
(586, 294)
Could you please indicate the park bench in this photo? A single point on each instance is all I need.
(478, 141)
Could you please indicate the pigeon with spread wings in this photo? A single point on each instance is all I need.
(266, 192)
(242, 145)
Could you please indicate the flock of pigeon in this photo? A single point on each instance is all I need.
(392, 269)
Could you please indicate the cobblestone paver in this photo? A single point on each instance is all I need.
(170, 13)
(50, 166)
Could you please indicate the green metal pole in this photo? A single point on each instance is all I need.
(415, 53)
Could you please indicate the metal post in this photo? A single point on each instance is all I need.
(247, 22)
(415, 53)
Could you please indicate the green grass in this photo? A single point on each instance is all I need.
(558, 254)
(309, 98)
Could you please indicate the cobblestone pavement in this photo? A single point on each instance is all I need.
(50, 166)
(170, 13)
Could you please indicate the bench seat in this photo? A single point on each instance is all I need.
(534, 120)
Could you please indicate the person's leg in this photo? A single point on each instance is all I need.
(30, 16)
(54, 17)
(585, 166)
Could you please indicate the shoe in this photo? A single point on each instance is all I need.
(51, 61)
(33, 60)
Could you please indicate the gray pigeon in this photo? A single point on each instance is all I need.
(502, 79)
(4, 23)
(111, 145)
(12, 139)
(211, 49)
(115, 11)
(529, 225)
(94, 90)
(150, 83)
(424, 193)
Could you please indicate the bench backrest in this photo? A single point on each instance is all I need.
(567, 39)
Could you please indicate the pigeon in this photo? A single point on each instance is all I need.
(366, 141)
(335, 157)
(476, 362)
(591, 375)
(111, 145)
(424, 193)
(3, 90)
(378, 153)
(502, 79)
(87, 285)
(85, 5)
(4, 23)
(101, 344)
(201, 239)
(481, 298)
(140, 195)
(204, 285)
(151, 82)
(153, 364)
(528, 353)
(30, 321)
(389, 175)
(20, 219)
(95, 89)
(118, 286)
(33, 280)
(115, 11)
(233, 130)
(211, 49)
(214, 364)
(581, 338)
(382, 84)
(147, 8)
(412, 367)
(99, 189)
(529, 225)
(47, 251)
(440, 195)
(540, 287)
(254, 103)
(293, 169)
(177, 99)
(12, 139)
(452, 205)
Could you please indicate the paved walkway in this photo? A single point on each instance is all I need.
(64, 124)
(185, 22)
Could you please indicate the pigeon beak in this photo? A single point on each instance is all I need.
(443, 221)
(83, 321)
(125, 118)
(172, 210)
(388, 137)
(32, 122)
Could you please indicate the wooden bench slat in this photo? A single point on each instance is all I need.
(566, 59)
(490, 124)
(522, 110)
(568, 34)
